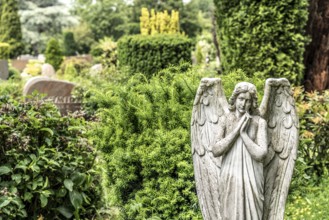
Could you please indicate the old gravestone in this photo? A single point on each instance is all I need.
(58, 91)
(48, 70)
(4, 73)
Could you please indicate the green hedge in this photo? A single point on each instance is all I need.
(4, 50)
(149, 54)
(46, 169)
(266, 37)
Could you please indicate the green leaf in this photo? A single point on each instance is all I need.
(61, 193)
(4, 203)
(17, 178)
(27, 196)
(76, 199)
(68, 183)
(43, 200)
(4, 170)
(48, 130)
(78, 178)
(66, 212)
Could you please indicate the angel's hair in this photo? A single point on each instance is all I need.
(243, 87)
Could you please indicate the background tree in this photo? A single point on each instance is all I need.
(53, 53)
(10, 27)
(317, 53)
(43, 19)
(69, 44)
(105, 18)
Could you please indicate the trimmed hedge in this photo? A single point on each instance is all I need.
(266, 37)
(149, 54)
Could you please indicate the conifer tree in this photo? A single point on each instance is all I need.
(70, 45)
(53, 53)
(10, 26)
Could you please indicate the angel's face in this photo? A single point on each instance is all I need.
(243, 102)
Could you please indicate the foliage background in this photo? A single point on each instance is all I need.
(263, 37)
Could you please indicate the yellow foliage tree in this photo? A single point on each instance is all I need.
(159, 22)
(145, 22)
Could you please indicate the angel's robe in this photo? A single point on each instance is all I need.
(241, 177)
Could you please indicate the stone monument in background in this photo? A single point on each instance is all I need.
(4, 72)
(243, 156)
(58, 91)
(48, 70)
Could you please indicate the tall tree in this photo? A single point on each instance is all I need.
(10, 26)
(43, 19)
(317, 52)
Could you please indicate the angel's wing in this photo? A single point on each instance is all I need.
(209, 105)
(278, 109)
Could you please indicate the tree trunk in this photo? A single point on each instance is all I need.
(317, 52)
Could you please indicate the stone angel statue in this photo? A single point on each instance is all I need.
(243, 155)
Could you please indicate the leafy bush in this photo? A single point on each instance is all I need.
(53, 53)
(73, 67)
(11, 88)
(46, 163)
(313, 111)
(13, 74)
(105, 52)
(4, 50)
(266, 37)
(33, 67)
(150, 54)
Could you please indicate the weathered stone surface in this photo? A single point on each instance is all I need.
(236, 146)
(48, 70)
(57, 90)
(4, 73)
(48, 86)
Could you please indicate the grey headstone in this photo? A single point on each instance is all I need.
(4, 73)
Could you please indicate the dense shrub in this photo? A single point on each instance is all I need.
(13, 74)
(54, 55)
(73, 67)
(11, 87)
(144, 136)
(105, 52)
(266, 37)
(4, 50)
(46, 167)
(313, 111)
(33, 67)
(149, 54)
